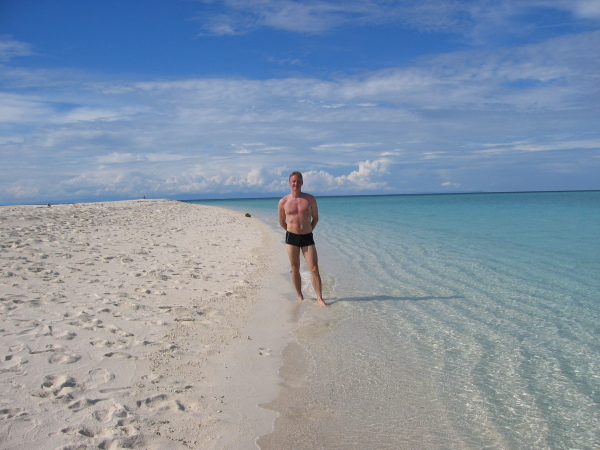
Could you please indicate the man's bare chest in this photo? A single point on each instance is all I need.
(296, 206)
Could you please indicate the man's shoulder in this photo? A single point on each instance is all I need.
(308, 197)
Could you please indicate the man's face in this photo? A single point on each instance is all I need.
(295, 182)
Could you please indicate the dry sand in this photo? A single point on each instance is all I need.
(139, 324)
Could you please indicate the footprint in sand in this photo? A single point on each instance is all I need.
(114, 411)
(17, 348)
(57, 386)
(132, 439)
(264, 351)
(116, 330)
(118, 355)
(83, 403)
(86, 431)
(9, 413)
(67, 335)
(97, 377)
(64, 358)
(56, 383)
(102, 343)
(93, 325)
(28, 327)
(161, 402)
(13, 363)
(153, 378)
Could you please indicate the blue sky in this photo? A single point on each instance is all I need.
(184, 99)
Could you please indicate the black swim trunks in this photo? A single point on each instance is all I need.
(299, 240)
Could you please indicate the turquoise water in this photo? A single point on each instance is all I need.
(457, 321)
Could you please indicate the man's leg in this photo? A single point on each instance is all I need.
(294, 255)
(312, 260)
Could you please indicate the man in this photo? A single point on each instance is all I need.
(298, 215)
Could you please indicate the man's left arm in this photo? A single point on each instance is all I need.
(315, 213)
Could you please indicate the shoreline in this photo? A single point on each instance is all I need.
(140, 323)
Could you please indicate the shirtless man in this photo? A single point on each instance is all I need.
(298, 215)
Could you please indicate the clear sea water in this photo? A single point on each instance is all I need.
(457, 321)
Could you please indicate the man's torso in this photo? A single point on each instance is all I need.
(298, 213)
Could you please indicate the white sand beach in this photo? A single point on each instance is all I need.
(148, 324)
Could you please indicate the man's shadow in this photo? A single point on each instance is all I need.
(387, 298)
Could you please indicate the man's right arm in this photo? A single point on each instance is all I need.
(281, 212)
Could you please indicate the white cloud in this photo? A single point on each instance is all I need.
(478, 20)
(317, 16)
(344, 147)
(10, 48)
(222, 25)
(121, 158)
(365, 178)
(308, 17)
(90, 114)
(72, 135)
(23, 190)
(449, 184)
(587, 9)
(550, 74)
(22, 109)
(546, 146)
(118, 158)
(434, 155)
(164, 157)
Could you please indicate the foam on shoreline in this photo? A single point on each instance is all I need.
(145, 324)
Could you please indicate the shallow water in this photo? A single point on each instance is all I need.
(458, 321)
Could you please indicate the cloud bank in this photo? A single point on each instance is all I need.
(521, 117)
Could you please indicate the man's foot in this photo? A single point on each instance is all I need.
(300, 297)
(320, 302)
